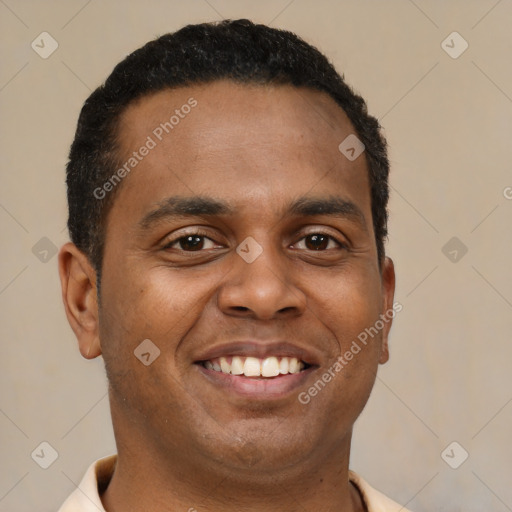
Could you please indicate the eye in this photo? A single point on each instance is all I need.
(191, 242)
(195, 242)
(321, 241)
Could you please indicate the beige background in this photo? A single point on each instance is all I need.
(449, 125)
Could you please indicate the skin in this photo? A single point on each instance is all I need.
(183, 442)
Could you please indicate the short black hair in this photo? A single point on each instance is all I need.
(237, 50)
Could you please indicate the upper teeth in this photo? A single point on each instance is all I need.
(254, 367)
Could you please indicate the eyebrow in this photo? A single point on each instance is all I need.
(333, 206)
(201, 206)
(178, 206)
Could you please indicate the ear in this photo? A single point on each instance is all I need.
(388, 294)
(78, 283)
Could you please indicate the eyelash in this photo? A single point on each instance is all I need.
(182, 237)
(205, 235)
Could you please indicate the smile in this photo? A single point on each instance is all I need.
(255, 379)
(256, 367)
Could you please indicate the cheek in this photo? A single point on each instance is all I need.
(149, 313)
(349, 306)
(344, 386)
(349, 303)
(160, 304)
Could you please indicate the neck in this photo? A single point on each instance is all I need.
(146, 480)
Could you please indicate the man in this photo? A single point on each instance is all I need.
(227, 209)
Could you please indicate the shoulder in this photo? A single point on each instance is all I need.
(86, 497)
(374, 500)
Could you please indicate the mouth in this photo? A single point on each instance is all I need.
(253, 367)
(258, 377)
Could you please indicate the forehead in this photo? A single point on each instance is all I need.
(224, 106)
(256, 144)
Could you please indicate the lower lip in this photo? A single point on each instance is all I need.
(264, 388)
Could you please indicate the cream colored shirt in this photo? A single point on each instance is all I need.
(86, 497)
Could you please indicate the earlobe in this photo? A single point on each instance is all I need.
(384, 352)
(388, 294)
(78, 284)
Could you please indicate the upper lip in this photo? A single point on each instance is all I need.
(260, 349)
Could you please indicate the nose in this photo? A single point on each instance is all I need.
(265, 288)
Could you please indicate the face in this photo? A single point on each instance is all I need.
(241, 243)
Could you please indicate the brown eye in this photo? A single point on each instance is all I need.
(317, 242)
(194, 242)
(191, 242)
(320, 242)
